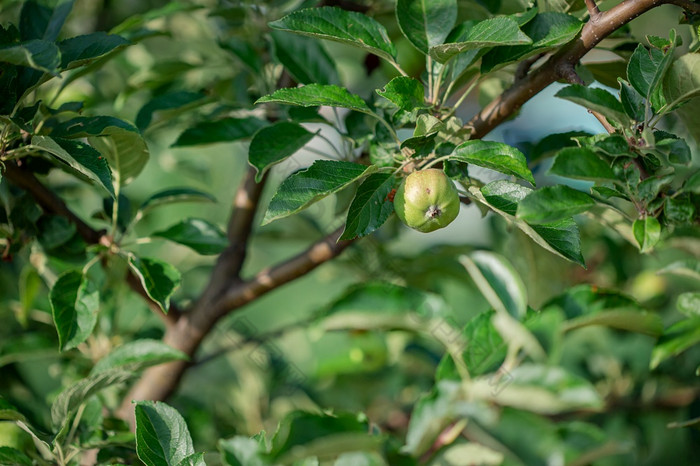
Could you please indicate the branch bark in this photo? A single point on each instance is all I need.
(159, 382)
(565, 59)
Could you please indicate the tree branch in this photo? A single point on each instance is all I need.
(159, 382)
(591, 34)
(593, 10)
(51, 203)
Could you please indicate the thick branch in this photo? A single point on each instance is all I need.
(51, 203)
(592, 33)
(161, 381)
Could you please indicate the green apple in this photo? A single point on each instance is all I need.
(427, 200)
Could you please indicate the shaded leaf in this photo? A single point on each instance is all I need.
(561, 238)
(540, 389)
(547, 30)
(80, 50)
(684, 268)
(496, 156)
(68, 401)
(371, 206)
(12, 456)
(162, 437)
(305, 58)
(313, 95)
(275, 143)
(596, 99)
(159, 279)
(39, 21)
(553, 203)
(646, 69)
(426, 23)
(224, 130)
(335, 24)
(304, 188)
(175, 195)
(632, 102)
(137, 355)
(126, 151)
(498, 281)
(689, 304)
(80, 157)
(647, 232)
(622, 319)
(40, 55)
(682, 81)
(406, 93)
(242, 451)
(499, 31)
(676, 339)
(580, 163)
(75, 302)
(197, 234)
(167, 101)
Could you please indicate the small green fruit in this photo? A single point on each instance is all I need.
(427, 200)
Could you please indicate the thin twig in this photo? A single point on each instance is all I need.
(593, 10)
(51, 203)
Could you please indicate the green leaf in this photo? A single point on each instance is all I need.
(632, 102)
(561, 238)
(580, 163)
(273, 144)
(244, 51)
(242, 451)
(8, 412)
(126, 151)
(40, 55)
(305, 58)
(197, 234)
(406, 93)
(689, 303)
(623, 319)
(313, 95)
(301, 434)
(12, 456)
(647, 232)
(552, 143)
(304, 188)
(175, 195)
(138, 21)
(682, 81)
(684, 268)
(159, 279)
(137, 355)
(484, 351)
(646, 69)
(426, 23)
(224, 130)
(80, 50)
(80, 158)
(434, 412)
(476, 452)
(540, 389)
(547, 31)
(68, 401)
(168, 101)
(371, 206)
(553, 203)
(162, 437)
(496, 156)
(676, 339)
(74, 305)
(498, 281)
(39, 21)
(82, 127)
(499, 31)
(596, 99)
(338, 25)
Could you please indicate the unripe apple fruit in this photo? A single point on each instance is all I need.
(427, 200)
